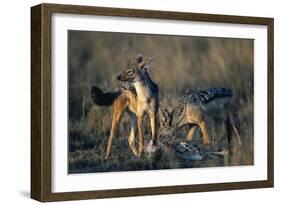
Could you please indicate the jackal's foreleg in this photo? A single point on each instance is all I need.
(191, 132)
(205, 133)
(152, 116)
(133, 132)
(141, 138)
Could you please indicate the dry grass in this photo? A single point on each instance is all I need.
(180, 63)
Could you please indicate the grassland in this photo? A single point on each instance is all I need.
(180, 63)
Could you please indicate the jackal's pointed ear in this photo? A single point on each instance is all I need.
(138, 59)
(143, 67)
(149, 60)
(162, 112)
(144, 64)
(164, 116)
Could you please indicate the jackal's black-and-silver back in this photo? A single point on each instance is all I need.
(210, 100)
(205, 96)
(194, 108)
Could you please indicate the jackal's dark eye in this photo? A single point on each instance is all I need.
(130, 72)
(164, 122)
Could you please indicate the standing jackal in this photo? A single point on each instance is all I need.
(138, 95)
(193, 108)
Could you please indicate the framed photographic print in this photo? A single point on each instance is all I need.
(132, 102)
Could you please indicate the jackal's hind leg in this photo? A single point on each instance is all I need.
(114, 124)
(228, 133)
(237, 135)
(233, 124)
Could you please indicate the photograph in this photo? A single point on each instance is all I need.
(154, 102)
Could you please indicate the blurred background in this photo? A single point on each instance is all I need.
(180, 63)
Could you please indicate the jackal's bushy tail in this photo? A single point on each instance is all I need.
(103, 98)
(210, 94)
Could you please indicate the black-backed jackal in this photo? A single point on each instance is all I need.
(192, 110)
(137, 96)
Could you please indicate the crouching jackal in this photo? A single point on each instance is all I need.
(138, 95)
(192, 110)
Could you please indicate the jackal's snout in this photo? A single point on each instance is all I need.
(122, 77)
(119, 77)
(127, 76)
